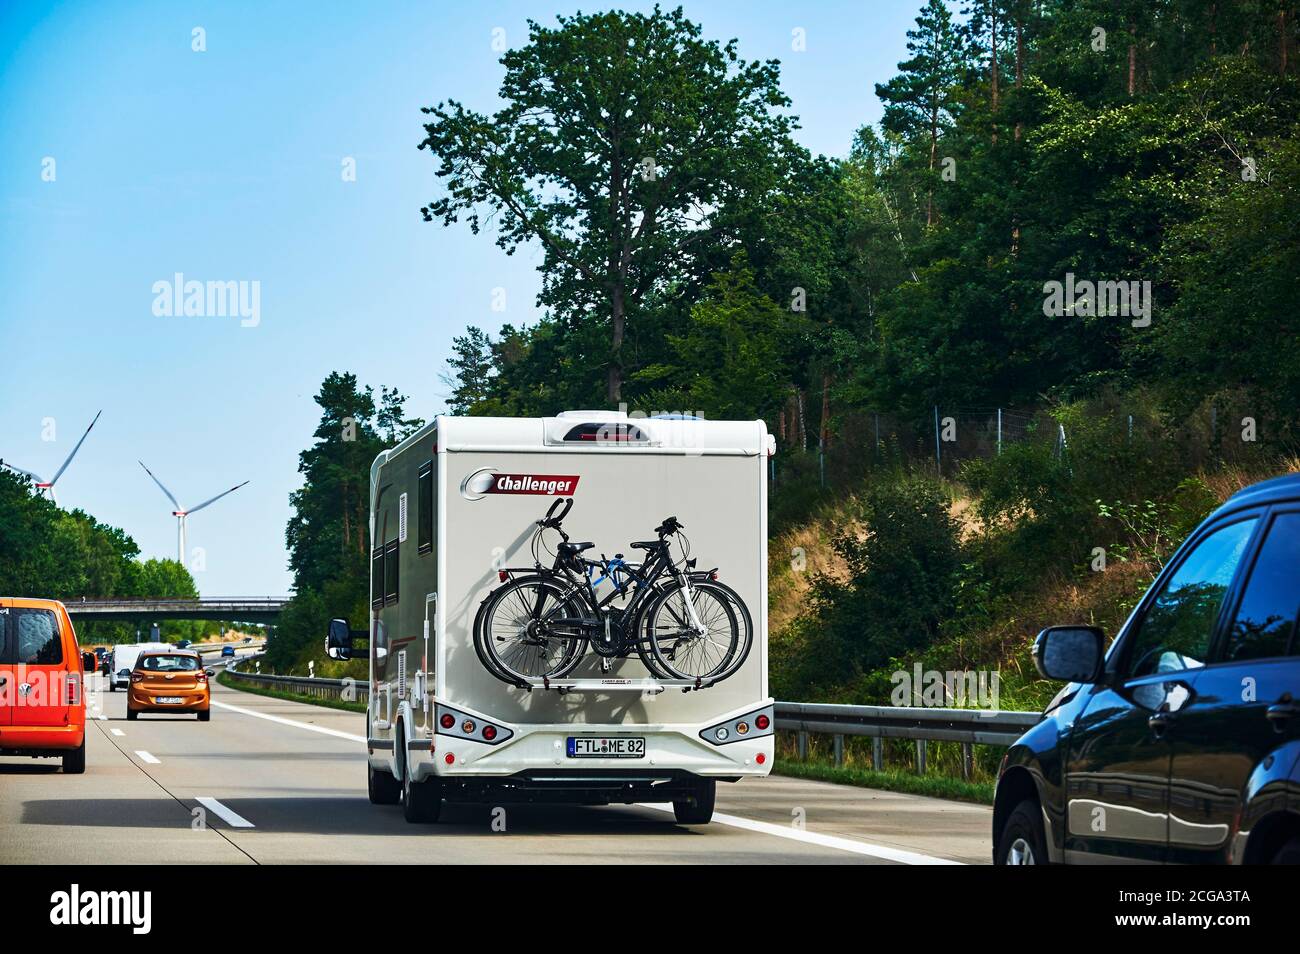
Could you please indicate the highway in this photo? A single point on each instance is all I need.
(274, 782)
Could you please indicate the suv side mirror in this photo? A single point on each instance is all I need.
(1069, 653)
(88, 662)
(338, 643)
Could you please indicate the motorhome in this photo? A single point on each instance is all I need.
(454, 512)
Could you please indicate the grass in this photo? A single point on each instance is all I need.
(232, 683)
(934, 786)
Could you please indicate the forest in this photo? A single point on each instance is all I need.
(1076, 220)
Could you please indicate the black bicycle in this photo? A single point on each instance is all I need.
(681, 622)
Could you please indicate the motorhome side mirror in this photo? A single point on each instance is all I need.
(1069, 653)
(338, 644)
(88, 663)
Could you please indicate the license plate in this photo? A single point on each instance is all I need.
(163, 700)
(581, 747)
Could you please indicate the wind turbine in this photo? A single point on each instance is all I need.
(180, 513)
(48, 485)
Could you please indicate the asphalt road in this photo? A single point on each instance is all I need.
(274, 782)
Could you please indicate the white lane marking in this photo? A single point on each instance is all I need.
(824, 841)
(118, 732)
(231, 818)
(146, 757)
(301, 725)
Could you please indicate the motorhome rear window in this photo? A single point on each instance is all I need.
(596, 432)
(31, 637)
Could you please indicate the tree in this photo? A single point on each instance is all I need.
(624, 142)
(920, 100)
(472, 368)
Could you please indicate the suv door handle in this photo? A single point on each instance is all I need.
(1161, 719)
(1281, 712)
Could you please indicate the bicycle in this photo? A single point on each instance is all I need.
(682, 623)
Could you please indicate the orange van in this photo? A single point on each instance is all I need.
(42, 703)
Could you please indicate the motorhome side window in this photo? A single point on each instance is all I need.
(425, 516)
(390, 572)
(377, 578)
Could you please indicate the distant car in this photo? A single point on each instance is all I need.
(42, 706)
(183, 644)
(1182, 744)
(227, 651)
(248, 639)
(169, 682)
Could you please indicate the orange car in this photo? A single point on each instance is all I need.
(168, 682)
(42, 706)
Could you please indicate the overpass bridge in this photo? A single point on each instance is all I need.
(244, 609)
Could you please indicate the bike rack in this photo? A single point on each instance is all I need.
(614, 684)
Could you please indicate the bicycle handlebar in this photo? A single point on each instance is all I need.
(670, 526)
(554, 520)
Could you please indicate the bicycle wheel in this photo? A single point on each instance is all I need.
(685, 653)
(521, 636)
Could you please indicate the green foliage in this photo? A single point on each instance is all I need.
(49, 553)
(903, 573)
(328, 532)
(617, 130)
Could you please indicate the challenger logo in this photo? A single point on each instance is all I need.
(487, 481)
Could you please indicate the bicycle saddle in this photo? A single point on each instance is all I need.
(645, 545)
(575, 547)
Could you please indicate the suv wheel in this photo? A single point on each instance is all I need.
(74, 763)
(1022, 840)
(697, 808)
(1288, 854)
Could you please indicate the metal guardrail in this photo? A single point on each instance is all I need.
(349, 690)
(969, 727)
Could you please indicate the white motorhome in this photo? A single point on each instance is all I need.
(124, 657)
(454, 511)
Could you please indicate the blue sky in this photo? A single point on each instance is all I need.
(226, 165)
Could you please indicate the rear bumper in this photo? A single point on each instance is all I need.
(192, 700)
(535, 758)
(41, 739)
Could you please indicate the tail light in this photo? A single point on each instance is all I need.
(762, 722)
(467, 727)
(447, 720)
(201, 676)
(503, 575)
(449, 758)
(137, 677)
(714, 576)
(73, 689)
(760, 758)
(489, 732)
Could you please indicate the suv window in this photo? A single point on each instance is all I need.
(1175, 632)
(33, 637)
(1266, 618)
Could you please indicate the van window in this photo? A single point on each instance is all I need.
(425, 516)
(34, 637)
(1266, 619)
(1176, 631)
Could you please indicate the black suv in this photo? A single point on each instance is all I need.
(1182, 744)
